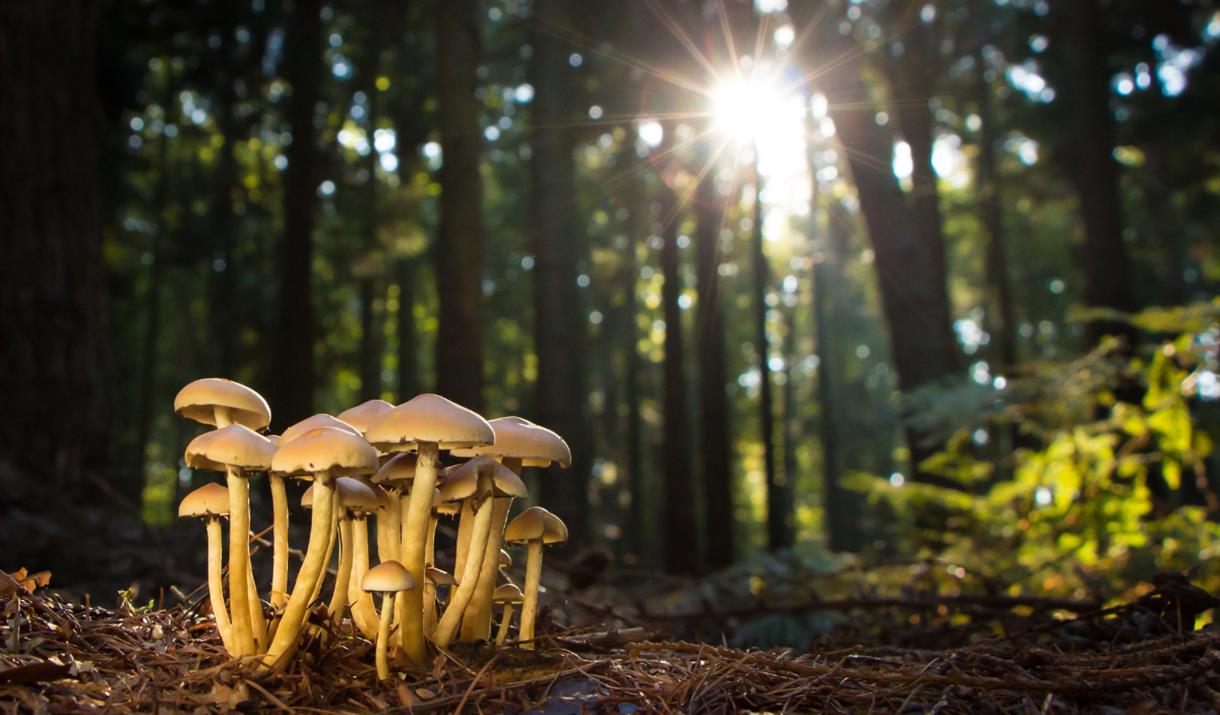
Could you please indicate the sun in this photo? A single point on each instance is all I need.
(748, 110)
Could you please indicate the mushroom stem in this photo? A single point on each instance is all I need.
(460, 597)
(383, 635)
(338, 596)
(286, 636)
(239, 561)
(258, 621)
(330, 550)
(414, 541)
(430, 604)
(364, 613)
(529, 608)
(389, 527)
(216, 583)
(476, 624)
(506, 619)
(463, 537)
(279, 543)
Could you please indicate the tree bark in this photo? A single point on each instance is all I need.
(292, 393)
(779, 515)
(680, 547)
(1001, 312)
(372, 326)
(53, 338)
(1087, 155)
(460, 241)
(560, 322)
(223, 282)
(714, 436)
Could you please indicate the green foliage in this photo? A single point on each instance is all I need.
(1110, 489)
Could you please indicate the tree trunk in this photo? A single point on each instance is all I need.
(1001, 312)
(53, 339)
(1087, 152)
(913, 296)
(292, 394)
(560, 332)
(779, 516)
(681, 553)
(222, 270)
(372, 326)
(715, 439)
(459, 244)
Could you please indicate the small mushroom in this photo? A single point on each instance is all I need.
(325, 453)
(355, 501)
(395, 476)
(479, 481)
(387, 578)
(519, 443)
(533, 527)
(425, 425)
(238, 452)
(364, 611)
(211, 502)
(507, 595)
(363, 414)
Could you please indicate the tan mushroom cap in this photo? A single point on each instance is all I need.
(506, 560)
(517, 437)
(507, 593)
(429, 418)
(314, 422)
(355, 495)
(325, 449)
(232, 446)
(388, 577)
(536, 523)
(463, 481)
(210, 500)
(198, 399)
(440, 577)
(397, 471)
(363, 414)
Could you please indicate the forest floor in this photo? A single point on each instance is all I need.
(59, 655)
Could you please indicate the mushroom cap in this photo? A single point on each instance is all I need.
(363, 414)
(536, 523)
(232, 446)
(307, 497)
(462, 482)
(197, 400)
(314, 422)
(517, 437)
(440, 577)
(442, 507)
(325, 449)
(429, 418)
(397, 471)
(506, 560)
(355, 495)
(388, 577)
(206, 501)
(507, 593)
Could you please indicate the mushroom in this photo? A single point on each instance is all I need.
(279, 507)
(395, 476)
(425, 424)
(506, 594)
(220, 402)
(325, 454)
(363, 414)
(433, 577)
(534, 527)
(355, 501)
(519, 442)
(364, 611)
(387, 578)
(211, 502)
(237, 451)
(479, 481)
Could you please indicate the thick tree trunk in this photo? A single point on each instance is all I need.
(292, 394)
(1087, 154)
(714, 436)
(560, 322)
(680, 547)
(460, 241)
(909, 274)
(53, 341)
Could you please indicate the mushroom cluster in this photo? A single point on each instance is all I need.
(376, 463)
